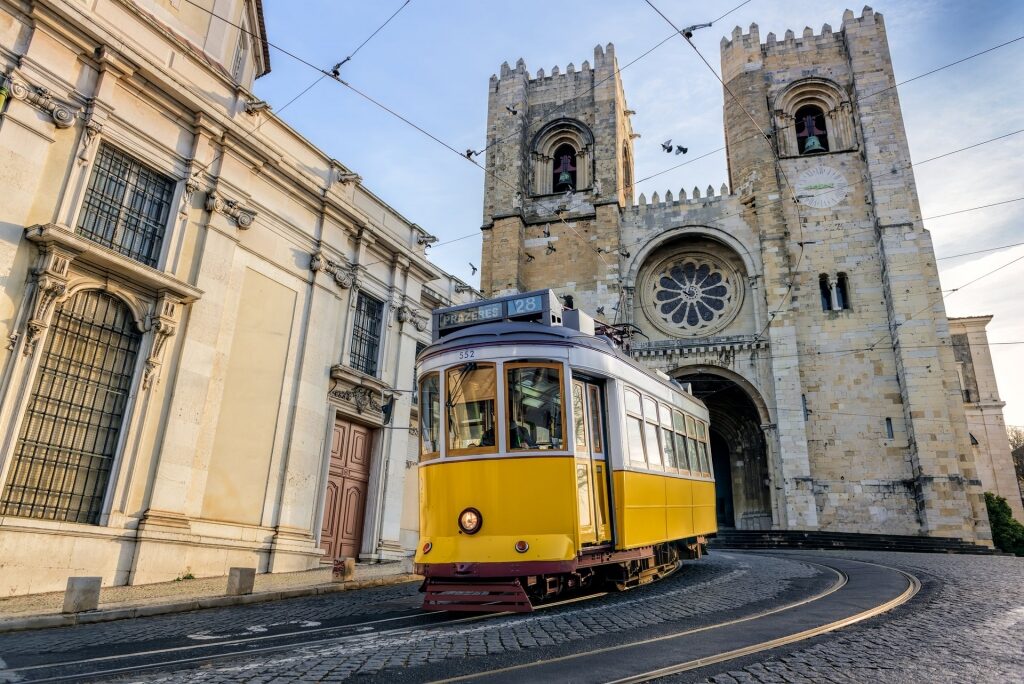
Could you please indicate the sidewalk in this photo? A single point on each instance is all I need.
(38, 611)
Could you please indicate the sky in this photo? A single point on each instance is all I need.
(432, 63)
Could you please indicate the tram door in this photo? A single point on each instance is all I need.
(591, 463)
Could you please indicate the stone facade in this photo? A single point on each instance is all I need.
(801, 299)
(183, 276)
(990, 443)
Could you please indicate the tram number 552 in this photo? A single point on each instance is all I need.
(467, 354)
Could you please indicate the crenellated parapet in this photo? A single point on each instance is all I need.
(745, 51)
(671, 202)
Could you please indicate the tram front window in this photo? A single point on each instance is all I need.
(430, 415)
(471, 391)
(534, 406)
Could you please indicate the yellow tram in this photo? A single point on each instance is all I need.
(549, 460)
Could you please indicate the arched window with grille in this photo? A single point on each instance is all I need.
(811, 133)
(64, 456)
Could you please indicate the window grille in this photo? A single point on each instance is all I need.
(62, 460)
(366, 332)
(126, 206)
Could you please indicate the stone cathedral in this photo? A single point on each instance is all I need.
(801, 301)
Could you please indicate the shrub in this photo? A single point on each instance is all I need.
(1007, 533)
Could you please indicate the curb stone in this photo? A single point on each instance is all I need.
(110, 614)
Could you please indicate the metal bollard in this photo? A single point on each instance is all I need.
(241, 581)
(82, 594)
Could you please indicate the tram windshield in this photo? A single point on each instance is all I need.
(471, 398)
(534, 406)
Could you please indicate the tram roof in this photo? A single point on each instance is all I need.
(504, 332)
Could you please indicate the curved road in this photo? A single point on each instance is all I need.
(732, 616)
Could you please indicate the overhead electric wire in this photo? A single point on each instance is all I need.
(560, 219)
(312, 85)
(615, 73)
(858, 101)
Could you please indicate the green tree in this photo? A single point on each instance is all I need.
(1007, 533)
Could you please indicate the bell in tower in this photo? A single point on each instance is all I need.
(812, 139)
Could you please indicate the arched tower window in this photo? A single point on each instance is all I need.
(627, 174)
(65, 452)
(561, 158)
(564, 176)
(813, 115)
(842, 292)
(811, 130)
(825, 288)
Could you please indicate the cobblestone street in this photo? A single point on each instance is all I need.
(966, 624)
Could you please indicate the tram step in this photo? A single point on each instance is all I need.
(476, 597)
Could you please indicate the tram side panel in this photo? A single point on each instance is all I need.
(520, 499)
(653, 507)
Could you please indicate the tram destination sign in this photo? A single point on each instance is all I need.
(478, 314)
(541, 306)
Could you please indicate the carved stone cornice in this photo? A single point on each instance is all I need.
(55, 235)
(344, 272)
(39, 97)
(163, 322)
(51, 274)
(357, 391)
(92, 129)
(191, 185)
(408, 314)
(233, 209)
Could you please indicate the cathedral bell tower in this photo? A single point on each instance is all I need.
(559, 167)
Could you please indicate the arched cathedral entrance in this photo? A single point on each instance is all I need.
(739, 452)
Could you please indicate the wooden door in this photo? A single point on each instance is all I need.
(347, 482)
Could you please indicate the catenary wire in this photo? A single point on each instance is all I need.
(616, 73)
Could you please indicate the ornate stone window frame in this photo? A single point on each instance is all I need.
(542, 151)
(66, 264)
(827, 96)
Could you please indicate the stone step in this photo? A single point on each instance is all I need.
(769, 539)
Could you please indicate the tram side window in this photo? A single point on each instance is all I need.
(430, 415)
(651, 433)
(471, 391)
(696, 463)
(534, 406)
(679, 426)
(702, 446)
(667, 442)
(634, 428)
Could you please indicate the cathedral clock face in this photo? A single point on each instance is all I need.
(821, 187)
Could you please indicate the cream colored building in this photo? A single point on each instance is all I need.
(202, 311)
(990, 443)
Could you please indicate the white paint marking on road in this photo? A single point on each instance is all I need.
(6, 676)
(206, 635)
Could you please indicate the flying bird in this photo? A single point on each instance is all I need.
(475, 269)
(511, 110)
(681, 150)
(667, 145)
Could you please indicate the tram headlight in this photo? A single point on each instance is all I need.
(470, 521)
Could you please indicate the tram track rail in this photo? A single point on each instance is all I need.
(621, 656)
(879, 588)
(212, 651)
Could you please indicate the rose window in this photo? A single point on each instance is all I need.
(694, 294)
